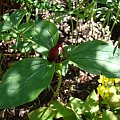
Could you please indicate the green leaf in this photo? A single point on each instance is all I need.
(24, 26)
(65, 67)
(43, 33)
(91, 103)
(6, 37)
(114, 102)
(43, 113)
(77, 105)
(91, 107)
(92, 96)
(109, 115)
(23, 46)
(4, 26)
(24, 81)
(42, 50)
(6, 17)
(106, 1)
(97, 57)
(63, 111)
(17, 16)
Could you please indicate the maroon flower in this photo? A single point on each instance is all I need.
(56, 53)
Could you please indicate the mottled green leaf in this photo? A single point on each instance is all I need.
(97, 57)
(4, 26)
(108, 115)
(24, 81)
(43, 33)
(17, 16)
(43, 113)
(63, 111)
(77, 105)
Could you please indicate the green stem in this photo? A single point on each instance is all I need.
(77, 22)
(36, 14)
(115, 21)
(59, 70)
(106, 19)
(71, 20)
(100, 103)
(72, 26)
(59, 82)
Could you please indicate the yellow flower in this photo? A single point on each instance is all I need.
(106, 87)
(116, 80)
(101, 90)
(112, 90)
(106, 95)
(101, 80)
(111, 81)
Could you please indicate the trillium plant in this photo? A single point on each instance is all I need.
(27, 78)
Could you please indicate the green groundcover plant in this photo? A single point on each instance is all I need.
(77, 109)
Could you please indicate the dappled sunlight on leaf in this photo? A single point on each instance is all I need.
(43, 33)
(42, 114)
(97, 57)
(24, 81)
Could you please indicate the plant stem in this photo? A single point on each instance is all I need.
(77, 5)
(59, 70)
(72, 27)
(115, 21)
(71, 19)
(59, 83)
(36, 14)
(105, 23)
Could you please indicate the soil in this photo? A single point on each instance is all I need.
(76, 83)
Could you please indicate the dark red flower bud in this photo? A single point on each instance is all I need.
(54, 54)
